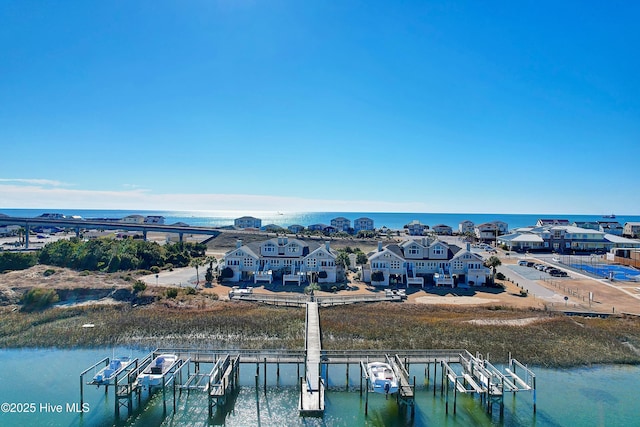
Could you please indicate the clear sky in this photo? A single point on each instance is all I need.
(425, 106)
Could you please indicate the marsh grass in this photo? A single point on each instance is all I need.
(552, 340)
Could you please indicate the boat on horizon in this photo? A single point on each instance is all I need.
(108, 374)
(153, 374)
(382, 377)
(609, 216)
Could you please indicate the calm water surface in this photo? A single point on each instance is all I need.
(598, 396)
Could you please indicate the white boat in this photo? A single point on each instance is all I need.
(152, 375)
(382, 378)
(107, 375)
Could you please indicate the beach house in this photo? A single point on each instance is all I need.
(281, 258)
(425, 261)
(466, 227)
(247, 222)
(341, 223)
(363, 224)
(442, 229)
(415, 228)
(631, 229)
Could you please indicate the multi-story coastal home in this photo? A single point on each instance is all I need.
(293, 260)
(296, 228)
(442, 229)
(317, 227)
(415, 228)
(552, 221)
(247, 222)
(564, 240)
(133, 219)
(362, 224)
(591, 225)
(488, 231)
(466, 227)
(154, 219)
(631, 229)
(611, 227)
(341, 223)
(425, 261)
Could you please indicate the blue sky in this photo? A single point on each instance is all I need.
(426, 106)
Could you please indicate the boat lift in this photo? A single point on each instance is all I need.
(479, 376)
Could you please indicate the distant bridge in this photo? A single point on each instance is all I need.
(80, 224)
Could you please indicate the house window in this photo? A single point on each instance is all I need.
(414, 251)
(248, 262)
(395, 264)
(311, 262)
(293, 249)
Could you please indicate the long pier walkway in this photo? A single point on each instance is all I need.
(312, 389)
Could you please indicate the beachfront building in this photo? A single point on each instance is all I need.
(317, 227)
(415, 228)
(591, 225)
(133, 219)
(466, 227)
(551, 221)
(296, 228)
(9, 230)
(247, 222)
(442, 229)
(363, 224)
(563, 239)
(631, 229)
(154, 219)
(341, 223)
(488, 231)
(611, 227)
(291, 260)
(425, 261)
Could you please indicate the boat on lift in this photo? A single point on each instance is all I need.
(108, 374)
(153, 374)
(382, 377)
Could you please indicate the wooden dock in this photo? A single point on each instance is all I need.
(312, 387)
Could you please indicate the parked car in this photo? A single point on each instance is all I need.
(522, 263)
(539, 266)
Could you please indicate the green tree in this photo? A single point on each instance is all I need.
(342, 259)
(361, 258)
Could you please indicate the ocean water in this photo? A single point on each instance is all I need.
(49, 378)
(394, 220)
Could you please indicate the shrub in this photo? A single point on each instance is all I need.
(500, 276)
(172, 293)
(39, 298)
(155, 269)
(139, 286)
(190, 291)
(377, 276)
(226, 273)
(48, 272)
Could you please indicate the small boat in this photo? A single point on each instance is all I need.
(107, 375)
(382, 378)
(608, 216)
(152, 375)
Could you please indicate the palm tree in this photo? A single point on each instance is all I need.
(196, 262)
(493, 262)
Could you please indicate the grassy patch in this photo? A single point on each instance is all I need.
(553, 340)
